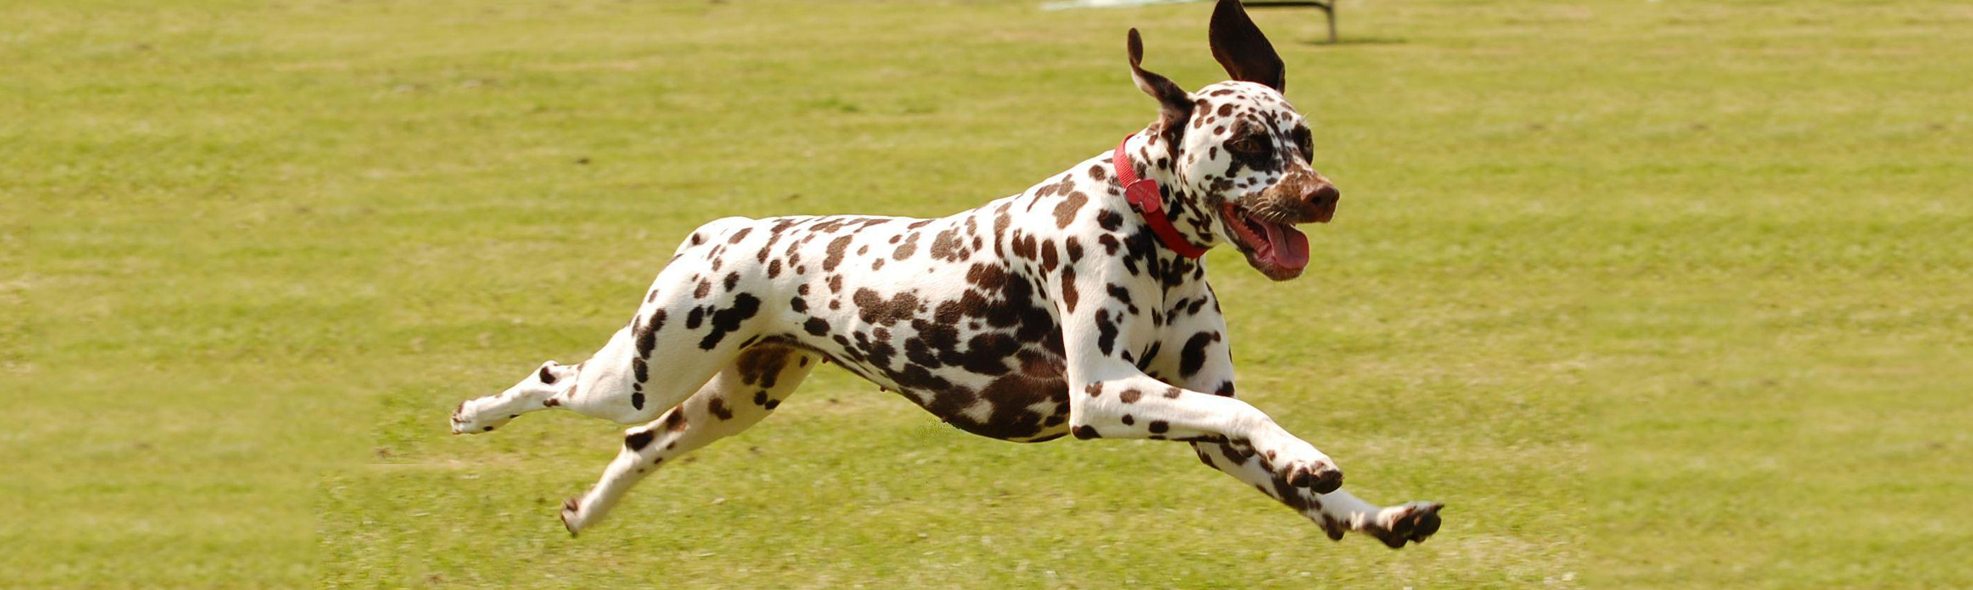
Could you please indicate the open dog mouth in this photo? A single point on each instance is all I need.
(1276, 248)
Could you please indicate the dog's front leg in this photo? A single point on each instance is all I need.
(1236, 438)
(1119, 401)
(1207, 365)
(1112, 398)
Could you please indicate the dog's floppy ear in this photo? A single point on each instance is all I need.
(1177, 106)
(1242, 49)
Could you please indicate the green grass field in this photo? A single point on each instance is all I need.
(1652, 294)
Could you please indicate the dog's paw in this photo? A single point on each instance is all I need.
(1300, 465)
(466, 419)
(572, 515)
(1410, 523)
(462, 423)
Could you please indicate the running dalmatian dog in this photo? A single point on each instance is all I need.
(1078, 307)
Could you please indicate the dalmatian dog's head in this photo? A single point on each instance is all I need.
(1239, 153)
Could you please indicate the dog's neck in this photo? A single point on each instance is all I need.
(1155, 158)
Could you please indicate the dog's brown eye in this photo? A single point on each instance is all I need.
(1246, 145)
(1306, 144)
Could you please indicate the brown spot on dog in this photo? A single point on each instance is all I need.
(873, 309)
(837, 248)
(638, 440)
(1065, 212)
(761, 365)
(1024, 245)
(1193, 357)
(1110, 220)
(905, 249)
(647, 334)
(728, 320)
(1109, 243)
(946, 247)
(1069, 294)
(1106, 332)
(1232, 455)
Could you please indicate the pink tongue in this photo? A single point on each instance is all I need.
(1290, 247)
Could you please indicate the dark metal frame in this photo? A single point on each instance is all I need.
(1328, 8)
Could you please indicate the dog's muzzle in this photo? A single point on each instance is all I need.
(1305, 196)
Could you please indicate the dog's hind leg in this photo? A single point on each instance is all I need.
(536, 392)
(740, 396)
(693, 321)
(680, 337)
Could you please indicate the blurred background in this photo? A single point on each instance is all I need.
(1653, 294)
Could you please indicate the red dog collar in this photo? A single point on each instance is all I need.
(1143, 195)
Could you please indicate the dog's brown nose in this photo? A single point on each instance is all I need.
(1324, 195)
(1322, 200)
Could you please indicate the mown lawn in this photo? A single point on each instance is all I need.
(1652, 294)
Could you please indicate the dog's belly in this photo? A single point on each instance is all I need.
(1027, 405)
(1000, 381)
(943, 311)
